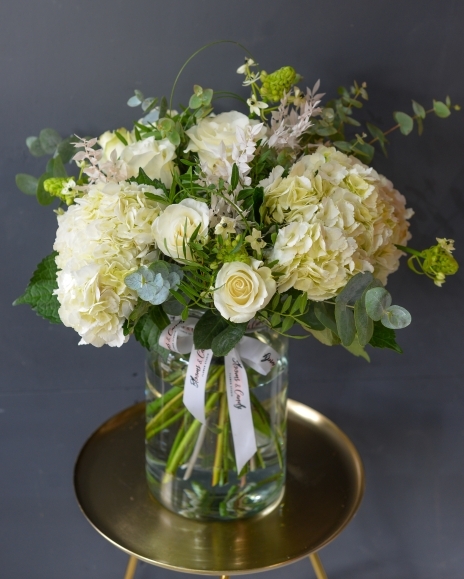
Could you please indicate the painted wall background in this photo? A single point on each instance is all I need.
(72, 66)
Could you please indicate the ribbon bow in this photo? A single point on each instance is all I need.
(178, 337)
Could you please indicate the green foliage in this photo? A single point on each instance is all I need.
(223, 342)
(405, 122)
(43, 196)
(27, 183)
(49, 140)
(384, 338)
(148, 328)
(39, 293)
(378, 307)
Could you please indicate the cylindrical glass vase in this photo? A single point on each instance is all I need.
(191, 467)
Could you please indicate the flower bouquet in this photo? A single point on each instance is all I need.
(209, 238)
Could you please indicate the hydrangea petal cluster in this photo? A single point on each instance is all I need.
(337, 217)
(100, 240)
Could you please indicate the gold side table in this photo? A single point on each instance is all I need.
(325, 484)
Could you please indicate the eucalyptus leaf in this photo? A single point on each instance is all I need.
(406, 122)
(418, 110)
(309, 319)
(364, 324)
(44, 197)
(26, 183)
(354, 289)
(66, 150)
(134, 101)
(58, 168)
(396, 317)
(325, 313)
(35, 147)
(441, 110)
(49, 140)
(343, 146)
(377, 301)
(346, 328)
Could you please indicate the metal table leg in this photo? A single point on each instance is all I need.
(131, 567)
(317, 566)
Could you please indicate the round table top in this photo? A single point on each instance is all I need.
(325, 484)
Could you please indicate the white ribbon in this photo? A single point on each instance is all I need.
(178, 337)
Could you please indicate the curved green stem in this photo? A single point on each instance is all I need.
(198, 52)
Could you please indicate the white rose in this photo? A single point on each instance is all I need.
(154, 157)
(110, 142)
(242, 290)
(212, 134)
(179, 219)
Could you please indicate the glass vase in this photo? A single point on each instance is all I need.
(191, 467)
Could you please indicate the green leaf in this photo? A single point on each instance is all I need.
(275, 320)
(34, 146)
(139, 95)
(396, 317)
(325, 313)
(286, 304)
(66, 150)
(149, 104)
(134, 101)
(354, 289)
(58, 168)
(49, 140)
(39, 293)
(364, 324)
(235, 177)
(223, 343)
(345, 323)
(26, 183)
(121, 138)
(195, 102)
(358, 350)
(159, 316)
(405, 122)
(365, 151)
(326, 131)
(420, 126)
(377, 300)
(326, 337)
(287, 324)
(418, 110)
(208, 327)
(310, 320)
(44, 197)
(440, 109)
(384, 338)
(147, 333)
(343, 146)
(379, 135)
(258, 197)
(163, 108)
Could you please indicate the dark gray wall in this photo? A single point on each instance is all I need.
(72, 65)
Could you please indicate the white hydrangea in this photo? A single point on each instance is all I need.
(337, 217)
(103, 237)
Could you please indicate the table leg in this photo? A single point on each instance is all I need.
(131, 567)
(317, 566)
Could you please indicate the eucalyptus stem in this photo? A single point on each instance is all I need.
(397, 126)
(221, 423)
